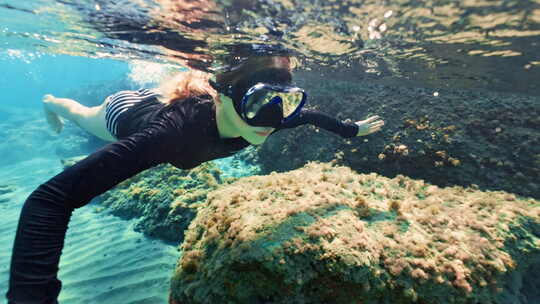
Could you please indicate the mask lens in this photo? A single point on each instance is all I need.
(256, 101)
(289, 101)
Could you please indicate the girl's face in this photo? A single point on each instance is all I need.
(255, 135)
(237, 126)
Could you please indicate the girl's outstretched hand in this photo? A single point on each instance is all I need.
(370, 125)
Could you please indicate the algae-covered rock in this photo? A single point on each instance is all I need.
(164, 198)
(324, 234)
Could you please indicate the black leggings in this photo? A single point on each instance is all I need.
(36, 252)
(46, 213)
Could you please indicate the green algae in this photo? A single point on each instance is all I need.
(164, 199)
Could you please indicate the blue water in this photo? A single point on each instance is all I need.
(26, 78)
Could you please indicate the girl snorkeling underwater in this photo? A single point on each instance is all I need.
(189, 120)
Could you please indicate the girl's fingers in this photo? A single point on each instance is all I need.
(370, 125)
(374, 129)
(372, 118)
(377, 124)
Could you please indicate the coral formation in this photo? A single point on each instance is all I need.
(164, 198)
(324, 234)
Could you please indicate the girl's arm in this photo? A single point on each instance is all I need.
(45, 215)
(344, 128)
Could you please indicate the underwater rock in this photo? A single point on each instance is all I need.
(454, 137)
(324, 234)
(164, 198)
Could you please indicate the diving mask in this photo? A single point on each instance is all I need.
(271, 105)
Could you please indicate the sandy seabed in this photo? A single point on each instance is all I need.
(104, 260)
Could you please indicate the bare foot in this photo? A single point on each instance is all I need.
(54, 121)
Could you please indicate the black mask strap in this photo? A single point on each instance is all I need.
(225, 90)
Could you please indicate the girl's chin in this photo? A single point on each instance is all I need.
(263, 134)
(255, 140)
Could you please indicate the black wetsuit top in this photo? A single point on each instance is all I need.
(184, 134)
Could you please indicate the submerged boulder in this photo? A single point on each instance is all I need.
(164, 199)
(324, 234)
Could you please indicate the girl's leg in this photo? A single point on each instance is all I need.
(90, 119)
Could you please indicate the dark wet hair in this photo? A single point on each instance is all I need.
(235, 82)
